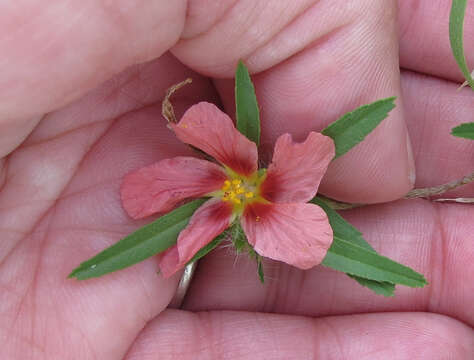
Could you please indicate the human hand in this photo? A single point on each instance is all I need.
(67, 142)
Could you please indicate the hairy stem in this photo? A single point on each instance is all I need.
(438, 190)
(417, 193)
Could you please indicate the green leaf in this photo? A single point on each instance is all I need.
(247, 112)
(353, 127)
(456, 25)
(465, 130)
(379, 287)
(345, 233)
(340, 226)
(356, 260)
(147, 241)
(343, 229)
(209, 247)
(261, 275)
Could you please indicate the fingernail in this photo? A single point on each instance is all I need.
(411, 162)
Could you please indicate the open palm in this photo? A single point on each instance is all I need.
(66, 143)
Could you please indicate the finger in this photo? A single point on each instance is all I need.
(12, 133)
(433, 240)
(55, 52)
(338, 30)
(433, 108)
(312, 85)
(75, 47)
(59, 143)
(241, 335)
(60, 205)
(424, 38)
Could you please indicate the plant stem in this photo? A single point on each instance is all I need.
(166, 107)
(438, 190)
(417, 193)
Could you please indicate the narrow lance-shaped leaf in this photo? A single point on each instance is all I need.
(379, 287)
(356, 260)
(147, 241)
(341, 228)
(351, 254)
(344, 230)
(247, 111)
(465, 130)
(353, 127)
(456, 31)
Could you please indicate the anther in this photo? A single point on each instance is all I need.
(249, 195)
(236, 182)
(226, 185)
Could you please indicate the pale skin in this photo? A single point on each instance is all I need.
(67, 139)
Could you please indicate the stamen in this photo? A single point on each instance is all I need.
(257, 219)
(226, 185)
(237, 191)
(236, 182)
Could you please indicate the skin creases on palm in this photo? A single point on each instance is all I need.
(59, 204)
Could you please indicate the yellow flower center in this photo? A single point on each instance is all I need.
(240, 190)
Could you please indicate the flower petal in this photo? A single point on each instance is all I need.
(207, 222)
(160, 186)
(169, 262)
(297, 168)
(298, 234)
(209, 129)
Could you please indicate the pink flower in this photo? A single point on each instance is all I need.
(271, 205)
